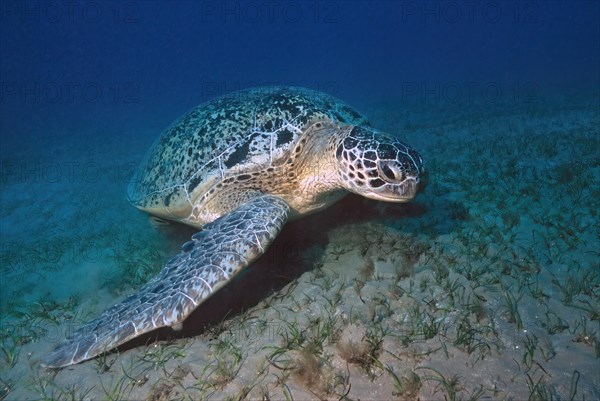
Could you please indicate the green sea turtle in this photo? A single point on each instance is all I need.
(239, 167)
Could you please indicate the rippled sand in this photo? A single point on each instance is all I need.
(485, 287)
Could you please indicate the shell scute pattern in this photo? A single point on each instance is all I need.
(257, 126)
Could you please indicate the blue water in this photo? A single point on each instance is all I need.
(141, 62)
(87, 87)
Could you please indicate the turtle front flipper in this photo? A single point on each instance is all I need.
(205, 264)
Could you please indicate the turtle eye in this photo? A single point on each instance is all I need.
(387, 171)
(390, 171)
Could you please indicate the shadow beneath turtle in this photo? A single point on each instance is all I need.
(297, 249)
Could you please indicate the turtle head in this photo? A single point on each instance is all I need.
(378, 166)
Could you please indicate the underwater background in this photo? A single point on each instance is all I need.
(486, 286)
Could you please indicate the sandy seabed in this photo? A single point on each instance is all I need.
(486, 286)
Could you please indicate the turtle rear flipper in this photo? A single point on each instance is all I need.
(205, 264)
